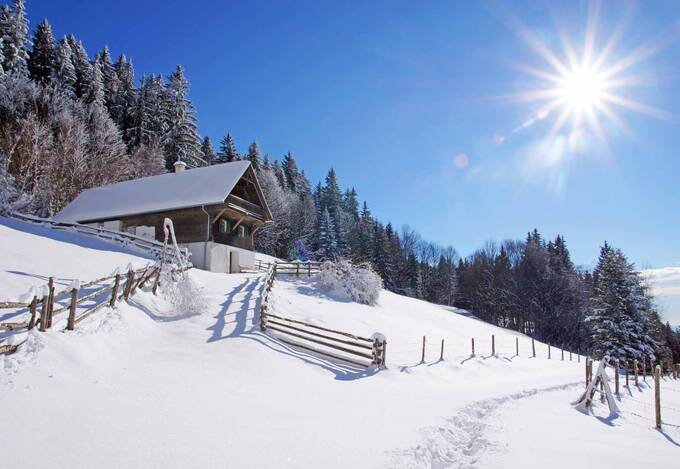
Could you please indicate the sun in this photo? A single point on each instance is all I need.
(587, 84)
(583, 89)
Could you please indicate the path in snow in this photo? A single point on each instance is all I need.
(460, 441)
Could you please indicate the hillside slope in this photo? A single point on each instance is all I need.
(144, 385)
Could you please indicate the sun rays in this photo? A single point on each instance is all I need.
(587, 83)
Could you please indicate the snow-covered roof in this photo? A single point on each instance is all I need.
(171, 191)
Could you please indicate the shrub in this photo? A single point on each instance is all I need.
(360, 282)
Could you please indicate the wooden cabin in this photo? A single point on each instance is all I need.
(216, 210)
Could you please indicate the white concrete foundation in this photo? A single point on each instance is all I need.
(216, 257)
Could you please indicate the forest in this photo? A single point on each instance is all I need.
(70, 121)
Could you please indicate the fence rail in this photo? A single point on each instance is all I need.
(323, 341)
(126, 239)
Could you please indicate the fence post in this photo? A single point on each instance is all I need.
(309, 269)
(587, 374)
(644, 369)
(384, 353)
(562, 351)
(34, 304)
(441, 355)
(569, 355)
(50, 301)
(43, 314)
(128, 284)
(114, 291)
(627, 382)
(657, 396)
(473, 347)
(493, 345)
(635, 371)
(517, 346)
(548, 351)
(71, 323)
(422, 360)
(533, 348)
(617, 364)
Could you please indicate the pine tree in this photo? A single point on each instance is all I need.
(150, 115)
(350, 203)
(64, 75)
(126, 103)
(111, 81)
(619, 327)
(290, 169)
(181, 141)
(328, 246)
(82, 65)
(14, 35)
(415, 280)
(95, 93)
(254, 156)
(42, 58)
(228, 151)
(209, 155)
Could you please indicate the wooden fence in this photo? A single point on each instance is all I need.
(308, 268)
(83, 300)
(151, 246)
(633, 370)
(323, 341)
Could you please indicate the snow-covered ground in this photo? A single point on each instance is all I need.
(146, 386)
(30, 254)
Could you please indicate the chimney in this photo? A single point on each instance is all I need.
(180, 166)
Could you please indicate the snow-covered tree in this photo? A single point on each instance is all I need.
(181, 141)
(208, 152)
(328, 244)
(617, 318)
(64, 73)
(14, 35)
(42, 57)
(254, 156)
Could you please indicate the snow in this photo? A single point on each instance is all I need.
(30, 254)
(209, 185)
(147, 385)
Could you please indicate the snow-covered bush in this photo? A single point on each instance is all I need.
(360, 282)
(182, 293)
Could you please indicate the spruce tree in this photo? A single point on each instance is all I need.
(64, 75)
(95, 92)
(111, 81)
(254, 156)
(14, 35)
(290, 169)
(328, 246)
(42, 57)
(415, 280)
(126, 103)
(82, 65)
(228, 151)
(209, 155)
(619, 327)
(181, 141)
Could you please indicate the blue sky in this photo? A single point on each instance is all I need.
(414, 103)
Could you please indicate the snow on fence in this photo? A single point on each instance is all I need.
(331, 343)
(150, 246)
(85, 299)
(659, 373)
(79, 301)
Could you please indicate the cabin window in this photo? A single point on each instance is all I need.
(225, 226)
(243, 231)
